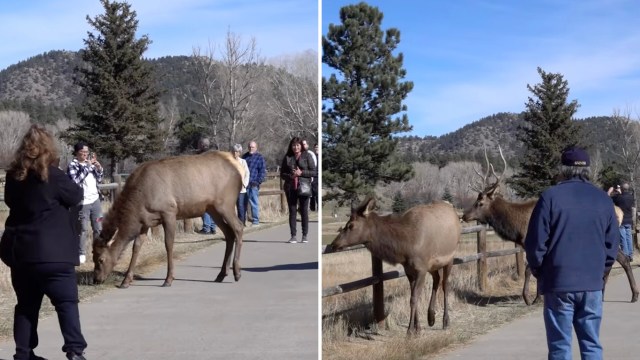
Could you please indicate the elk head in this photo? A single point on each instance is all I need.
(103, 259)
(481, 208)
(356, 230)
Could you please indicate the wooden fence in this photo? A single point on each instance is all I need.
(378, 277)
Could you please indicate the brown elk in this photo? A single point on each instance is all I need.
(423, 239)
(510, 221)
(159, 192)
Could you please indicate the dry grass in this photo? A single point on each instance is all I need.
(347, 329)
(152, 255)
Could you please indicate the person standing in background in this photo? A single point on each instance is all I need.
(242, 211)
(86, 171)
(258, 172)
(208, 225)
(623, 198)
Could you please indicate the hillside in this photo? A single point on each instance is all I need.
(43, 87)
(468, 142)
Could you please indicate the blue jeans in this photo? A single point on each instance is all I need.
(580, 310)
(90, 213)
(242, 210)
(626, 241)
(208, 225)
(252, 200)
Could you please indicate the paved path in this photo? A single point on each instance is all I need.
(525, 338)
(271, 313)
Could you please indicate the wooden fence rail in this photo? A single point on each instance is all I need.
(378, 277)
(114, 188)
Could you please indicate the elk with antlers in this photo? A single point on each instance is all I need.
(510, 221)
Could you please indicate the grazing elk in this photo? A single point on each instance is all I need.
(162, 191)
(423, 239)
(510, 221)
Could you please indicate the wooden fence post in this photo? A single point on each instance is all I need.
(117, 178)
(520, 264)
(482, 261)
(378, 292)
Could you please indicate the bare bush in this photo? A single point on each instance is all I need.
(14, 124)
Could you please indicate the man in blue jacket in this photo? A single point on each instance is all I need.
(571, 241)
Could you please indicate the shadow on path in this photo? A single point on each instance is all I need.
(302, 266)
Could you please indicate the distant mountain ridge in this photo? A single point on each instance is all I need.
(43, 87)
(469, 142)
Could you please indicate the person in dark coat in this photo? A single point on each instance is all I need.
(45, 249)
(297, 166)
(623, 198)
(571, 241)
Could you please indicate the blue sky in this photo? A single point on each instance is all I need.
(473, 58)
(281, 27)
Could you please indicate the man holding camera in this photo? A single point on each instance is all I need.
(623, 198)
(86, 171)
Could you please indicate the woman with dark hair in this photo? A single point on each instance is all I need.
(296, 170)
(45, 246)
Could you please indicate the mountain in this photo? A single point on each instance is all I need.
(469, 142)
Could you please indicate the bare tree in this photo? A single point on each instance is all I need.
(627, 142)
(295, 89)
(241, 67)
(207, 93)
(14, 125)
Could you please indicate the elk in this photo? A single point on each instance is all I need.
(159, 192)
(423, 239)
(510, 221)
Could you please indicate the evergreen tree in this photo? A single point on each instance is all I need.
(610, 176)
(361, 100)
(119, 116)
(447, 195)
(399, 205)
(548, 128)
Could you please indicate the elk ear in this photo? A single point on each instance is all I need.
(369, 206)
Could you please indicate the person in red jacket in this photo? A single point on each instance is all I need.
(45, 245)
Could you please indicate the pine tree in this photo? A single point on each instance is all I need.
(361, 100)
(119, 117)
(399, 204)
(447, 195)
(548, 129)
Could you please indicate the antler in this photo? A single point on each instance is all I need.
(490, 170)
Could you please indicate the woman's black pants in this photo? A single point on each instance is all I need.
(58, 281)
(293, 200)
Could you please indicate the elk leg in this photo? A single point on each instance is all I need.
(446, 271)
(525, 288)
(169, 223)
(137, 244)
(412, 311)
(626, 265)
(226, 230)
(431, 313)
(235, 230)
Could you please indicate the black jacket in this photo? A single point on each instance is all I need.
(39, 214)
(289, 164)
(625, 202)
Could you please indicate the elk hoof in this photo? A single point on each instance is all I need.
(535, 301)
(634, 297)
(166, 284)
(237, 276)
(220, 277)
(431, 317)
(124, 285)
